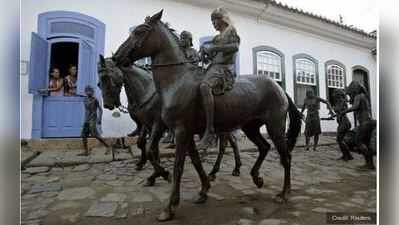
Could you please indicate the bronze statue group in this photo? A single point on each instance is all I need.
(178, 95)
(358, 140)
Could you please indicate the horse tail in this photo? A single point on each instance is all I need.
(295, 124)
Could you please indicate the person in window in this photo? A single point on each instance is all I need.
(312, 121)
(186, 42)
(219, 76)
(70, 81)
(56, 84)
(361, 107)
(91, 120)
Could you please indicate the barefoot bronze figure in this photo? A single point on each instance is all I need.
(344, 125)
(312, 121)
(361, 108)
(253, 102)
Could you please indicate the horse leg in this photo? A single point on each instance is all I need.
(233, 143)
(157, 130)
(205, 184)
(252, 132)
(183, 142)
(216, 167)
(141, 143)
(276, 131)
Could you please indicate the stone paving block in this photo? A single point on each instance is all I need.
(51, 187)
(71, 218)
(102, 209)
(38, 214)
(272, 222)
(35, 170)
(76, 193)
(141, 197)
(114, 197)
(106, 177)
(123, 211)
(82, 167)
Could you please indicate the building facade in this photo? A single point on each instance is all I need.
(299, 50)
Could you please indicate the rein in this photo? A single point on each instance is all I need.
(124, 109)
(173, 64)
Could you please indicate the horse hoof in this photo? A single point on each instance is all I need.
(280, 198)
(236, 173)
(211, 177)
(165, 215)
(258, 182)
(149, 183)
(341, 158)
(139, 166)
(201, 199)
(167, 176)
(366, 167)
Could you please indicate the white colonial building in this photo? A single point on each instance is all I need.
(297, 49)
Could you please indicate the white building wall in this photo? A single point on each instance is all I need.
(122, 14)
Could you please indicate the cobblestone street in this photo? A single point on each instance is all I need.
(102, 192)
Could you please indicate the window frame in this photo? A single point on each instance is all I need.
(316, 85)
(260, 48)
(326, 65)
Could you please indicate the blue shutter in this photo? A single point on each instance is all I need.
(38, 64)
(86, 68)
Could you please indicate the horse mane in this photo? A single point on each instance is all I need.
(173, 33)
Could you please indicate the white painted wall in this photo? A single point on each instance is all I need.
(122, 14)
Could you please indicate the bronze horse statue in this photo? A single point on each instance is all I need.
(253, 102)
(146, 108)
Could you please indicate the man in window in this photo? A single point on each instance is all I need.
(312, 121)
(70, 81)
(219, 76)
(361, 107)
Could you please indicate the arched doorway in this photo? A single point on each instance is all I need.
(64, 39)
(361, 74)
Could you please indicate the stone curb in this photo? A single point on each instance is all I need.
(162, 155)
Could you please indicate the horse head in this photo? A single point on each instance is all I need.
(110, 82)
(142, 42)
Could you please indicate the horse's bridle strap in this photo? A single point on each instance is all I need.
(174, 64)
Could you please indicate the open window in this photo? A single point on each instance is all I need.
(335, 78)
(306, 77)
(268, 61)
(65, 55)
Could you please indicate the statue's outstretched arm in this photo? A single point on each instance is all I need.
(355, 106)
(327, 103)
